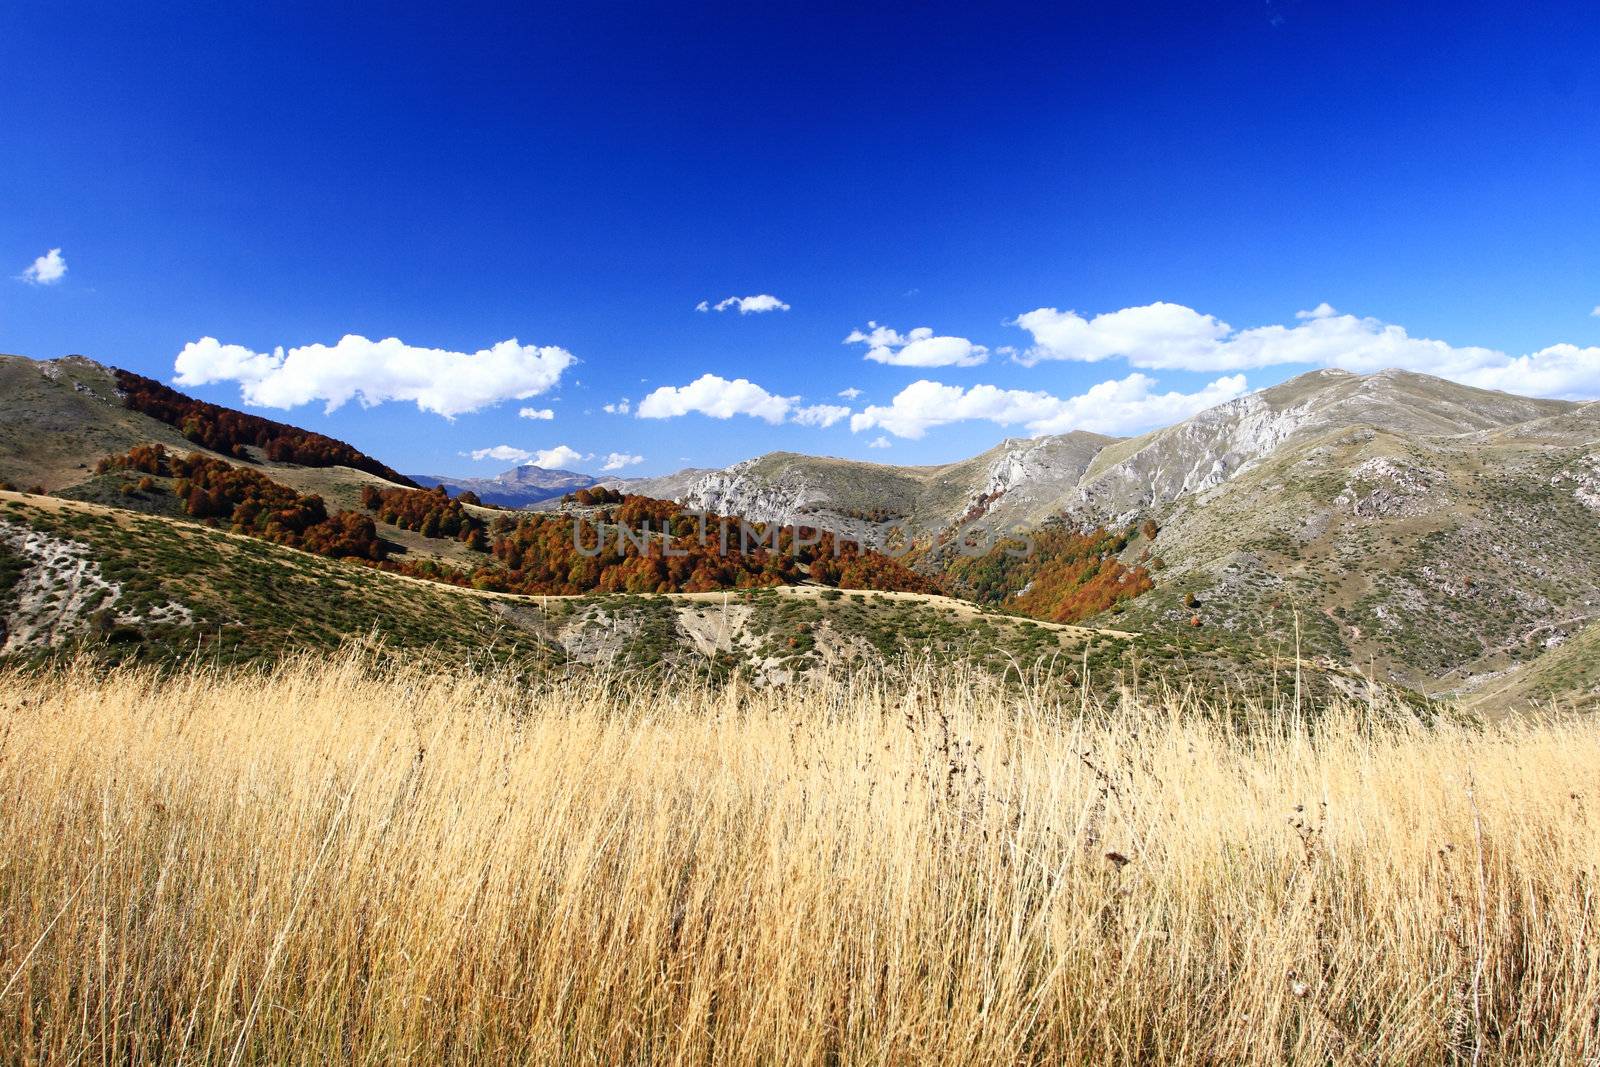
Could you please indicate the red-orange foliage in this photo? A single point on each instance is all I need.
(1066, 577)
(429, 512)
(225, 430)
(596, 494)
(640, 544)
(252, 503)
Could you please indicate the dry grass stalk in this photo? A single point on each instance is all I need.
(332, 863)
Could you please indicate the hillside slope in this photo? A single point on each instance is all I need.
(78, 577)
(61, 416)
(1429, 559)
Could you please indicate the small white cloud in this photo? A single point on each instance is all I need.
(720, 398)
(717, 397)
(621, 407)
(548, 458)
(1115, 407)
(375, 372)
(745, 305)
(615, 461)
(1596, 312)
(919, 348)
(503, 453)
(823, 415)
(541, 414)
(47, 269)
(850, 393)
(559, 456)
(880, 441)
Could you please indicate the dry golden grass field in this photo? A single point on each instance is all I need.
(337, 863)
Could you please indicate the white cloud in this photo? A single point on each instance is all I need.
(615, 461)
(850, 393)
(373, 372)
(542, 414)
(1131, 405)
(621, 407)
(1155, 335)
(1116, 407)
(548, 458)
(503, 453)
(717, 397)
(1596, 312)
(746, 305)
(720, 398)
(880, 441)
(919, 348)
(823, 415)
(47, 269)
(1171, 336)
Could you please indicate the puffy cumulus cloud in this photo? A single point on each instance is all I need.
(1156, 335)
(375, 372)
(717, 397)
(1564, 371)
(850, 393)
(47, 269)
(559, 456)
(823, 415)
(540, 414)
(919, 348)
(615, 461)
(621, 407)
(1116, 407)
(924, 404)
(548, 458)
(721, 398)
(1132, 405)
(880, 441)
(1171, 336)
(503, 453)
(745, 305)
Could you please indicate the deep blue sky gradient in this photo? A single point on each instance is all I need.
(582, 175)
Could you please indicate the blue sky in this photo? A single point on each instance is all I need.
(1417, 182)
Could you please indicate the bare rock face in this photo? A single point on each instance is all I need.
(60, 591)
(1102, 480)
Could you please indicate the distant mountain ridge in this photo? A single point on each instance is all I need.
(518, 487)
(1097, 479)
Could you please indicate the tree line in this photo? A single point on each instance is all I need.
(624, 543)
(230, 432)
(217, 492)
(637, 544)
(1068, 576)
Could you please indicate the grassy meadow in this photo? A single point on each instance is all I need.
(337, 862)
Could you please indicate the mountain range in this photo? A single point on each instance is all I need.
(1427, 534)
(1439, 535)
(515, 488)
